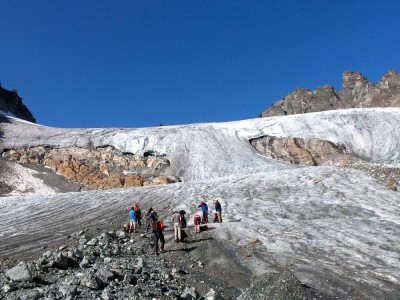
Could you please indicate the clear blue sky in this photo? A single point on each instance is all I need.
(143, 63)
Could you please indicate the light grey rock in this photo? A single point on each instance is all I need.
(30, 295)
(189, 294)
(78, 253)
(8, 288)
(92, 242)
(19, 273)
(61, 248)
(85, 263)
(105, 273)
(67, 290)
(91, 281)
(212, 295)
(122, 234)
(107, 294)
(107, 260)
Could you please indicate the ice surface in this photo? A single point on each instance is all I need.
(334, 228)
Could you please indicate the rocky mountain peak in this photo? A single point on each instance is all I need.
(11, 103)
(391, 80)
(353, 80)
(357, 92)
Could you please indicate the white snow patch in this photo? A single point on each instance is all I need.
(23, 182)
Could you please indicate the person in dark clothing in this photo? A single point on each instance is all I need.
(158, 236)
(218, 209)
(149, 216)
(204, 209)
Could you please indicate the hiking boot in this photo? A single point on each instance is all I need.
(163, 251)
(176, 241)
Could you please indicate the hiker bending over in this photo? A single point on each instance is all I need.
(218, 209)
(158, 235)
(132, 220)
(177, 221)
(197, 222)
(204, 209)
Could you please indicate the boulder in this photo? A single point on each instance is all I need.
(189, 294)
(20, 272)
(133, 180)
(67, 290)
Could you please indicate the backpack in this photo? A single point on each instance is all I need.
(215, 219)
(160, 225)
(197, 219)
(157, 226)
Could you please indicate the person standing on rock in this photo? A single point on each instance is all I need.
(218, 209)
(204, 209)
(132, 220)
(177, 221)
(158, 235)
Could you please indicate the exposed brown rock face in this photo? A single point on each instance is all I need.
(308, 152)
(315, 152)
(104, 168)
(357, 92)
(12, 103)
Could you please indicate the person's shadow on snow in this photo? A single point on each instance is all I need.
(187, 250)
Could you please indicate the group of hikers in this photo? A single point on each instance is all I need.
(178, 220)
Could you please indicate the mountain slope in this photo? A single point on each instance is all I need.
(205, 151)
(336, 229)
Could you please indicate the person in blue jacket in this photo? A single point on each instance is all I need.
(204, 209)
(132, 220)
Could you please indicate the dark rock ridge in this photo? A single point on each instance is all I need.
(12, 103)
(97, 169)
(357, 92)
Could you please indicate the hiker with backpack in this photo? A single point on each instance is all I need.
(177, 221)
(204, 209)
(138, 214)
(157, 228)
(218, 210)
(151, 214)
(132, 220)
(197, 223)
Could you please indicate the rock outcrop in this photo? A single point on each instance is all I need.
(357, 92)
(308, 152)
(10, 102)
(317, 152)
(100, 169)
